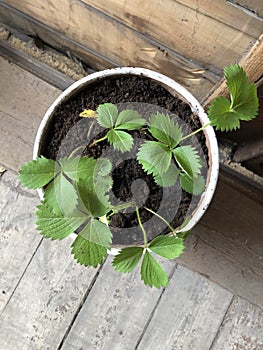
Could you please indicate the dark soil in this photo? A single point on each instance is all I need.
(68, 131)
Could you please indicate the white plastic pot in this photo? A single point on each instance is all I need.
(175, 89)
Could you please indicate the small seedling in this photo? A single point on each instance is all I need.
(76, 196)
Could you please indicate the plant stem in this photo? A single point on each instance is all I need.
(163, 219)
(76, 150)
(142, 228)
(196, 131)
(119, 207)
(97, 141)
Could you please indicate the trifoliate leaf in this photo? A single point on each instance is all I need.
(78, 167)
(224, 115)
(169, 247)
(163, 128)
(168, 178)
(221, 116)
(194, 185)
(152, 273)
(97, 232)
(56, 225)
(129, 120)
(61, 196)
(154, 157)
(127, 259)
(107, 114)
(88, 253)
(188, 160)
(121, 140)
(38, 173)
(93, 197)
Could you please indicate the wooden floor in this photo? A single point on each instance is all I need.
(47, 301)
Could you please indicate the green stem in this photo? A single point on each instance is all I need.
(196, 131)
(163, 219)
(142, 228)
(119, 207)
(97, 141)
(76, 150)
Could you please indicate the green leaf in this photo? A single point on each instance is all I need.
(169, 247)
(244, 104)
(78, 167)
(152, 273)
(194, 185)
(188, 160)
(102, 167)
(154, 157)
(121, 140)
(163, 128)
(88, 253)
(221, 116)
(38, 173)
(168, 178)
(129, 120)
(61, 196)
(107, 114)
(55, 225)
(127, 259)
(97, 232)
(93, 197)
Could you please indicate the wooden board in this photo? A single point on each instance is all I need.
(199, 30)
(115, 312)
(241, 329)
(227, 244)
(183, 29)
(252, 5)
(48, 296)
(17, 233)
(21, 111)
(188, 315)
(116, 41)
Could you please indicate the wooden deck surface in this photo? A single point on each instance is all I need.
(47, 301)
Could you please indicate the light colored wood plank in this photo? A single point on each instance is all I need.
(46, 299)
(188, 315)
(21, 111)
(115, 313)
(200, 31)
(241, 329)
(18, 239)
(227, 244)
(116, 41)
(252, 5)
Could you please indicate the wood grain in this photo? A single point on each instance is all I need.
(200, 30)
(227, 244)
(188, 315)
(115, 312)
(116, 41)
(21, 111)
(46, 299)
(241, 328)
(252, 5)
(17, 233)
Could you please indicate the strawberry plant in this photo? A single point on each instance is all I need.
(76, 195)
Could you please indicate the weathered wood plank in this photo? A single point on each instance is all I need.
(18, 239)
(47, 298)
(34, 66)
(227, 244)
(115, 313)
(198, 30)
(241, 328)
(21, 111)
(252, 5)
(116, 41)
(188, 315)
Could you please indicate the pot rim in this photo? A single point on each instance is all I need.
(174, 88)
